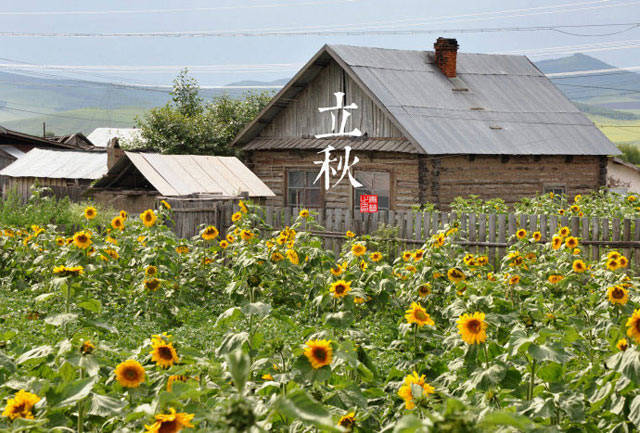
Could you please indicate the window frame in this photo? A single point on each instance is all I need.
(551, 187)
(286, 188)
(355, 206)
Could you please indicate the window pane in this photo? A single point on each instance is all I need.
(376, 183)
(296, 178)
(313, 198)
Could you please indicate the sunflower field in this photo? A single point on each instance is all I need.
(127, 328)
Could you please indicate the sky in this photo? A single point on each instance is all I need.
(219, 60)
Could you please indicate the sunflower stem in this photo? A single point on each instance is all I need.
(486, 355)
(531, 380)
(80, 407)
(415, 338)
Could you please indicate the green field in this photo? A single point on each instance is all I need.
(619, 131)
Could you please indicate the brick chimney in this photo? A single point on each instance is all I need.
(114, 152)
(446, 54)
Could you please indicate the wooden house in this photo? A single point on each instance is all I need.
(425, 126)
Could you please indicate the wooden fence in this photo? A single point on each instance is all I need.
(478, 233)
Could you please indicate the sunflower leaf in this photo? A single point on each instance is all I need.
(299, 405)
(238, 364)
(61, 319)
(103, 405)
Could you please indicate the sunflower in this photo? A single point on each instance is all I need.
(243, 207)
(407, 255)
(347, 421)
(163, 353)
(172, 422)
(482, 260)
(576, 251)
(340, 288)
(571, 242)
(579, 266)
(521, 234)
(182, 249)
(564, 231)
(575, 208)
(224, 244)
(614, 255)
(515, 279)
(165, 204)
(556, 242)
(613, 264)
(124, 214)
(350, 234)
(358, 249)
(111, 240)
(110, 252)
(455, 275)
(210, 233)
(175, 378)
(560, 211)
(418, 315)
(276, 256)
(631, 198)
(359, 300)
(424, 290)
(304, 213)
(623, 261)
(406, 390)
(622, 344)
(230, 238)
(152, 284)
(68, 270)
(633, 325)
(293, 256)
(555, 278)
(90, 212)
(246, 235)
(418, 255)
(438, 240)
(469, 260)
(236, 217)
(60, 241)
(472, 328)
(82, 239)
(536, 236)
(363, 265)
(318, 352)
(375, 256)
(20, 405)
(148, 218)
(150, 271)
(130, 374)
(117, 223)
(618, 295)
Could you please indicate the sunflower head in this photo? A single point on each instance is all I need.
(304, 213)
(152, 284)
(564, 231)
(358, 249)
(230, 238)
(472, 328)
(246, 235)
(182, 249)
(633, 326)
(412, 384)
(276, 256)
(151, 271)
(571, 242)
(536, 236)
(579, 266)
(416, 314)
(87, 348)
(236, 217)
(556, 242)
(90, 213)
(243, 207)
(350, 234)
(318, 352)
(618, 295)
(162, 352)
(418, 255)
(613, 264)
(337, 270)
(521, 234)
(148, 218)
(82, 239)
(210, 233)
(175, 378)
(172, 422)
(124, 214)
(224, 244)
(424, 290)
(623, 262)
(117, 223)
(555, 278)
(130, 374)
(407, 255)
(514, 279)
(347, 421)
(340, 288)
(293, 256)
(622, 344)
(20, 405)
(455, 275)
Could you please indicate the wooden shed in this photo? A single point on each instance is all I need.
(424, 126)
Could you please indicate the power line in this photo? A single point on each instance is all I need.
(58, 115)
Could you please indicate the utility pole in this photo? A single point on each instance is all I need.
(44, 129)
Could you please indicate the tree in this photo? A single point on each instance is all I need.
(188, 125)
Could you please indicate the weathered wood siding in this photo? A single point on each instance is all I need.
(271, 167)
(59, 187)
(301, 117)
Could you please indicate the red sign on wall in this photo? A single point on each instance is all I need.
(368, 203)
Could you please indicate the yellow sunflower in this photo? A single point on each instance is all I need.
(175, 378)
(172, 422)
(82, 239)
(224, 244)
(117, 223)
(536, 236)
(276, 256)
(230, 238)
(407, 388)
(631, 198)
(182, 249)
(87, 348)
(243, 207)
(521, 234)
(148, 218)
(293, 256)
(347, 421)
(340, 288)
(246, 235)
(571, 242)
(613, 264)
(304, 213)
(151, 271)
(163, 353)
(560, 211)
(130, 374)
(513, 280)
(165, 204)
(579, 266)
(575, 208)
(555, 278)
(455, 275)
(236, 217)
(90, 213)
(210, 233)
(618, 295)
(20, 405)
(124, 214)
(318, 352)
(418, 315)
(358, 249)
(633, 325)
(623, 261)
(152, 284)
(622, 344)
(556, 242)
(564, 231)
(424, 290)
(614, 255)
(418, 255)
(407, 255)
(350, 234)
(60, 241)
(472, 328)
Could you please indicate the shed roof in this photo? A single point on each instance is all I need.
(185, 175)
(58, 164)
(12, 151)
(497, 104)
(100, 136)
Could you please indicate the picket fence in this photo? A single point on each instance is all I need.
(488, 234)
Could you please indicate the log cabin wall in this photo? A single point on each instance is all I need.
(271, 167)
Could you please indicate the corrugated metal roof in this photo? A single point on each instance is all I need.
(182, 175)
(11, 150)
(100, 137)
(497, 104)
(58, 164)
(378, 144)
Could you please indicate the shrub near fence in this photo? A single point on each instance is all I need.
(488, 234)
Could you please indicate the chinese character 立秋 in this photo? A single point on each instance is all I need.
(328, 171)
(340, 110)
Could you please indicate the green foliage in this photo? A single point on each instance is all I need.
(630, 153)
(189, 125)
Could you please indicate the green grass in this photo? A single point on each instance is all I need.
(618, 131)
